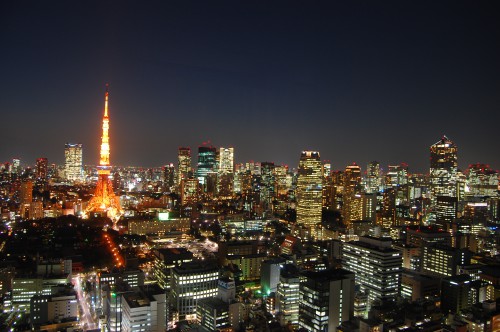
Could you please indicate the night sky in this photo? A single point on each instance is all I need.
(355, 80)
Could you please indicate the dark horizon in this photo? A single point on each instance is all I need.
(355, 81)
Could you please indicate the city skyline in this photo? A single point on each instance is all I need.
(355, 82)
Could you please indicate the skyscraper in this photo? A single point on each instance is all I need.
(326, 300)
(207, 162)
(444, 168)
(183, 165)
(268, 184)
(191, 282)
(350, 196)
(16, 165)
(287, 301)
(169, 176)
(373, 177)
(482, 181)
(42, 165)
(226, 160)
(73, 162)
(309, 189)
(376, 265)
(225, 176)
(446, 210)
(104, 200)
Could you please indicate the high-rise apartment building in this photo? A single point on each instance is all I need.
(377, 266)
(26, 192)
(73, 162)
(326, 300)
(42, 165)
(25, 197)
(443, 168)
(309, 189)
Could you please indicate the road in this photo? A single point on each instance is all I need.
(86, 319)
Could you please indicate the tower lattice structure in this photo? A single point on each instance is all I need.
(105, 200)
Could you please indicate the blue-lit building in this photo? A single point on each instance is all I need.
(207, 162)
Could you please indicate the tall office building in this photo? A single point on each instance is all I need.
(352, 177)
(226, 160)
(373, 178)
(326, 300)
(377, 266)
(268, 184)
(73, 162)
(169, 176)
(350, 195)
(207, 162)
(225, 176)
(328, 191)
(446, 210)
(287, 296)
(144, 310)
(455, 293)
(444, 168)
(396, 176)
(221, 313)
(442, 260)
(16, 165)
(281, 177)
(369, 206)
(270, 275)
(42, 165)
(48, 308)
(183, 164)
(309, 189)
(482, 181)
(192, 282)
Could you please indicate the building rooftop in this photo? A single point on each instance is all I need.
(327, 275)
(427, 230)
(460, 278)
(196, 266)
(137, 299)
(378, 244)
(214, 303)
(173, 254)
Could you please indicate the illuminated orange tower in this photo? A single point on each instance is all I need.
(105, 200)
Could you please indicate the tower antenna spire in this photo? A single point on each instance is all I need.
(106, 101)
(105, 200)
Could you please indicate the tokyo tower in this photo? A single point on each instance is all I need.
(105, 200)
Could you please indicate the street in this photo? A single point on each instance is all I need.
(86, 319)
